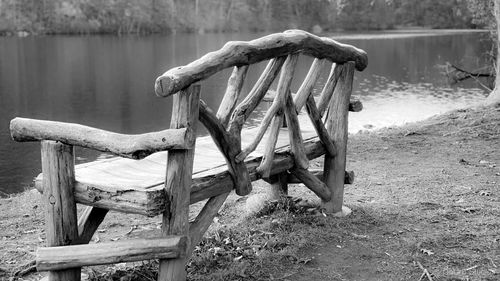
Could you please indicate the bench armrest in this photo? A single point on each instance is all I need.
(130, 146)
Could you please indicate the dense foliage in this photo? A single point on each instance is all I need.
(147, 16)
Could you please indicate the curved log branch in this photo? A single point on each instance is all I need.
(229, 147)
(216, 184)
(234, 85)
(294, 134)
(313, 183)
(283, 91)
(327, 92)
(323, 135)
(355, 104)
(204, 219)
(264, 124)
(129, 146)
(259, 90)
(307, 86)
(239, 53)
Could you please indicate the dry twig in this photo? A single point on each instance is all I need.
(425, 272)
(25, 269)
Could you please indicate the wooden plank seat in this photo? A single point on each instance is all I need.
(171, 169)
(136, 186)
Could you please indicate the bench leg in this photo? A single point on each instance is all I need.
(278, 186)
(334, 167)
(60, 218)
(178, 182)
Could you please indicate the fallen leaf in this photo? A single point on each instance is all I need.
(427, 252)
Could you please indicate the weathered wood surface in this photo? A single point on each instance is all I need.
(252, 100)
(348, 177)
(88, 222)
(175, 219)
(282, 90)
(67, 257)
(233, 90)
(136, 186)
(323, 134)
(308, 84)
(204, 219)
(241, 53)
(337, 124)
(278, 186)
(313, 183)
(130, 146)
(295, 135)
(355, 105)
(230, 147)
(330, 85)
(60, 219)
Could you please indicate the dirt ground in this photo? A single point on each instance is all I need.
(425, 201)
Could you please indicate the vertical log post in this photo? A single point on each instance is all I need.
(58, 170)
(278, 186)
(334, 167)
(178, 181)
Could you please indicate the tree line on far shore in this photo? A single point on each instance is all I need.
(170, 16)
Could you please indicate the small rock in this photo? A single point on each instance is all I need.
(463, 162)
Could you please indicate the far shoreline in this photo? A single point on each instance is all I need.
(399, 32)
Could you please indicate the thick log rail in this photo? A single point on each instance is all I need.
(142, 187)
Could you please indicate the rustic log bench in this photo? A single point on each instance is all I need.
(164, 172)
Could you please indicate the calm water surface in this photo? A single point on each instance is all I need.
(107, 82)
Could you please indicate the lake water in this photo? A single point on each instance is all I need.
(107, 82)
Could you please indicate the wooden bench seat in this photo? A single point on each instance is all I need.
(136, 186)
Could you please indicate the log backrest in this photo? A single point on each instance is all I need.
(282, 51)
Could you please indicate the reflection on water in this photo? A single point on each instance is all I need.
(397, 103)
(107, 82)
